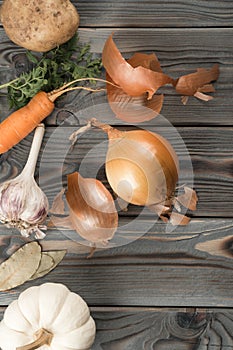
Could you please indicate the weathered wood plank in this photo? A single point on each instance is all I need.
(206, 238)
(180, 51)
(170, 329)
(190, 267)
(140, 284)
(210, 150)
(154, 13)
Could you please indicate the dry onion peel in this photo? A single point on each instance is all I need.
(133, 81)
(198, 83)
(92, 209)
(58, 205)
(188, 199)
(142, 168)
(149, 61)
(129, 108)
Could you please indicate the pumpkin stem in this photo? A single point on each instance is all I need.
(43, 337)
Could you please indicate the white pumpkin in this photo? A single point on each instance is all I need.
(49, 316)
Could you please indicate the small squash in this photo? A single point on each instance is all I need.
(48, 316)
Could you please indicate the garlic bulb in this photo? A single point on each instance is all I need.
(23, 204)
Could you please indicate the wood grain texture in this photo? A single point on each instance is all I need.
(162, 329)
(166, 290)
(209, 166)
(180, 51)
(191, 266)
(154, 13)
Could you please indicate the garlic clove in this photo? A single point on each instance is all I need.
(23, 205)
(37, 206)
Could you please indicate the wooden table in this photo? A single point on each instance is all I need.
(166, 291)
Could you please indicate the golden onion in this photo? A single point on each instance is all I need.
(141, 167)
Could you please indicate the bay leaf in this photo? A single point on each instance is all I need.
(20, 266)
(49, 260)
(46, 262)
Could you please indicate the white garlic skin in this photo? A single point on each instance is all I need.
(23, 205)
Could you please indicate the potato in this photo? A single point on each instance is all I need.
(39, 25)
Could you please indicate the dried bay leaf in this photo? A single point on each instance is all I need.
(20, 266)
(49, 260)
(28, 263)
(56, 255)
(45, 263)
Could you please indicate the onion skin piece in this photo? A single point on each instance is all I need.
(133, 81)
(192, 83)
(188, 199)
(149, 61)
(135, 109)
(92, 210)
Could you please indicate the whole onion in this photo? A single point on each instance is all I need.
(141, 167)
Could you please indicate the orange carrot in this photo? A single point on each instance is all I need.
(21, 122)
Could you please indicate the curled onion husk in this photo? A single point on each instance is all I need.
(133, 81)
(92, 211)
(198, 83)
(128, 108)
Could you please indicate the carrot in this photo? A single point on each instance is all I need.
(21, 122)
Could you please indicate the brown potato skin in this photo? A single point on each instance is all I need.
(39, 25)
